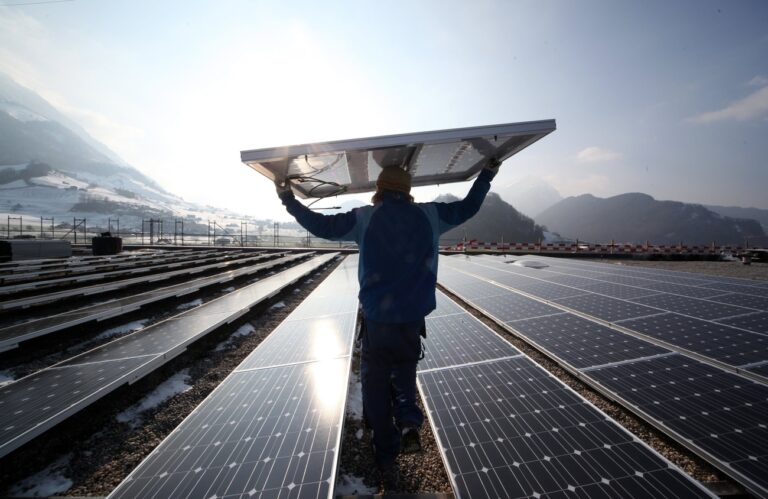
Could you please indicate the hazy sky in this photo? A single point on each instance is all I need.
(666, 98)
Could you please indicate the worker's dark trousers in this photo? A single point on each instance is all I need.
(388, 375)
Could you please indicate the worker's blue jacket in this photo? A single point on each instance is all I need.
(398, 242)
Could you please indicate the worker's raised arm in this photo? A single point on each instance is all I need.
(456, 213)
(340, 227)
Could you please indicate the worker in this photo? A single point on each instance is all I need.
(398, 242)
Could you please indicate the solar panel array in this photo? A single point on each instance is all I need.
(11, 336)
(273, 427)
(708, 327)
(33, 404)
(92, 267)
(508, 428)
(616, 344)
(197, 267)
(166, 264)
(21, 266)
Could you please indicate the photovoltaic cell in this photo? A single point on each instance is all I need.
(468, 285)
(683, 290)
(461, 339)
(726, 344)
(694, 307)
(605, 308)
(583, 343)
(511, 307)
(568, 280)
(617, 290)
(626, 280)
(751, 301)
(342, 304)
(739, 288)
(757, 323)
(305, 339)
(445, 306)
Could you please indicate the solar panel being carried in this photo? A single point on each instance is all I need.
(272, 428)
(508, 428)
(437, 157)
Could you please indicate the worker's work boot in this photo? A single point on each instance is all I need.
(409, 440)
(390, 476)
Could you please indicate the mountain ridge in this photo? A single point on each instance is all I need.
(638, 217)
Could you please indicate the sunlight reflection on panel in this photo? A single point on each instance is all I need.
(326, 339)
(328, 382)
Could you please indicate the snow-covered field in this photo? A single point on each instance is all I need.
(55, 195)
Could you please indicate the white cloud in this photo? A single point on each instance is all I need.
(753, 106)
(758, 81)
(594, 154)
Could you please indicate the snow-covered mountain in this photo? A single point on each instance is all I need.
(51, 167)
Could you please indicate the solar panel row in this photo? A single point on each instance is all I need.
(73, 261)
(77, 262)
(39, 275)
(32, 276)
(11, 336)
(272, 428)
(716, 413)
(11, 289)
(202, 265)
(31, 405)
(731, 335)
(508, 428)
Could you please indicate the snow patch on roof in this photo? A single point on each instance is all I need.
(48, 482)
(350, 485)
(178, 383)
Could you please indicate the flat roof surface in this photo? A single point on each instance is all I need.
(437, 157)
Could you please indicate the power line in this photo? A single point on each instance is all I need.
(21, 4)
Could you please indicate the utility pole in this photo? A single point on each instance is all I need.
(276, 234)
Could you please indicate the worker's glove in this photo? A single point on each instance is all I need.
(491, 169)
(493, 165)
(283, 188)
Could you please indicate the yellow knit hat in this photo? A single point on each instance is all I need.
(394, 178)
